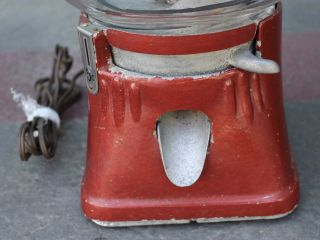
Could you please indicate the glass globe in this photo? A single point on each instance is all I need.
(175, 16)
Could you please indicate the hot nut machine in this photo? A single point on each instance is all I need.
(186, 119)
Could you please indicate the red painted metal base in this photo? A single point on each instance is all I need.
(248, 171)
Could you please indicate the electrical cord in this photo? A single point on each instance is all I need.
(40, 136)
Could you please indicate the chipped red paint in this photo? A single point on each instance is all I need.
(248, 171)
(135, 101)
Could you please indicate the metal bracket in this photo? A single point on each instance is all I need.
(86, 33)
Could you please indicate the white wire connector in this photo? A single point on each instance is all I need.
(32, 109)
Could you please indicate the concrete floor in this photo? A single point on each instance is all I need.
(40, 199)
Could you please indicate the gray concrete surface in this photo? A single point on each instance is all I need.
(40, 199)
(37, 25)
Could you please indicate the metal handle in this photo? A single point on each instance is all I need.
(246, 60)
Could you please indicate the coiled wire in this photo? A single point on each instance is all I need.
(40, 136)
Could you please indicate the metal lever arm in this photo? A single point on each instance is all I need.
(247, 61)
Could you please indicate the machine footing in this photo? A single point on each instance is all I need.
(199, 220)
